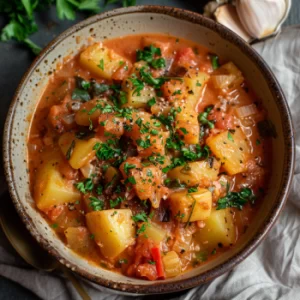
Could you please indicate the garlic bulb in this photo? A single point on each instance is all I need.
(227, 16)
(261, 17)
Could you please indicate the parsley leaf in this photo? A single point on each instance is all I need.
(236, 199)
(101, 64)
(203, 117)
(80, 94)
(96, 204)
(151, 102)
(70, 150)
(214, 61)
(116, 202)
(128, 166)
(85, 186)
(140, 217)
(104, 151)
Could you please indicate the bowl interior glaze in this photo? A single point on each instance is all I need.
(136, 20)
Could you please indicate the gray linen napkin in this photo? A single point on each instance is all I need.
(271, 272)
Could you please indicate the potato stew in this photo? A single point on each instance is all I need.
(149, 155)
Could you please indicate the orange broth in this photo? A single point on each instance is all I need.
(167, 137)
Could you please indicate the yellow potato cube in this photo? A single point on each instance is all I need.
(219, 230)
(195, 83)
(137, 99)
(51, 188)
(232, 148)
(113, 229)
(100, 60)
(79, 240)
(81, 150)
(191, 207)
(187, 119)
(195, 172)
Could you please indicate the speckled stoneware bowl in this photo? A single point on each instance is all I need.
(136, 20)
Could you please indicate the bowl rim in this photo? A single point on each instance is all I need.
(278, 96)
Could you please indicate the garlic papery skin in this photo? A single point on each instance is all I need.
(227, 16)
(261, 17)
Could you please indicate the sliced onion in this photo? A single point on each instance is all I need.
(223, 81)
(69, 119)
(75, 105)
(246, 111)
(87, 170)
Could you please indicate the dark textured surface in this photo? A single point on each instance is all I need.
(14, 60)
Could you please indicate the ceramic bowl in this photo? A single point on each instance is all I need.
(136, 20)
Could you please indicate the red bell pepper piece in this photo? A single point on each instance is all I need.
(158, 262)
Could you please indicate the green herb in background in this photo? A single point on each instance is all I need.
(21, 15)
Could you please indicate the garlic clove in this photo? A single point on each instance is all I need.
(261, 18)
(227, 16)
(212, 6)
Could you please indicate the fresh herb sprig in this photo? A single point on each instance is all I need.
(236, 199)
(21, 16)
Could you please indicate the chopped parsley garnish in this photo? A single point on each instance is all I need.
(177, 92)
(149, 79)
(127, 167)
(179, 215)
(141, 229)
(104, 151)
(85, 186)
(158, 63)
(96, 204)
(203, 117)
(144, 143)
(183, 130)
(192, 190)
(101, 64)
(151, 102)
(131, 180)
(214, 61)
(157, 159)
(140, 217)
(80, 94)
(236, 199)
(70, 150)
(99, 190)
(116, 202)
(151, 262)
(230, 137)
(137, 84)
(258, 142)
(192, 210)
(54, 225)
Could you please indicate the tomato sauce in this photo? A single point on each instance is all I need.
(149, 155)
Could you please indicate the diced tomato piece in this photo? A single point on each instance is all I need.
(129, 163)
(122, 72)
(109, 123)
(55, 212)
(67, 171)
(147, 270)
(174, 90)
(158, 262)
(185, 57)
(58, 116)
(222, 120)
